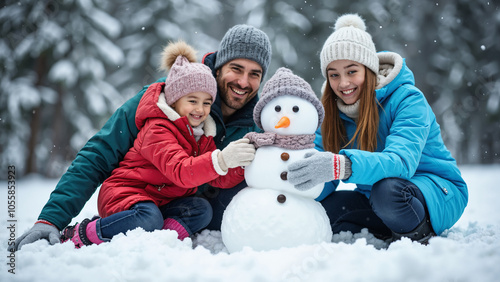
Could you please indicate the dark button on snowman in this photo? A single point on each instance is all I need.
(271, 213)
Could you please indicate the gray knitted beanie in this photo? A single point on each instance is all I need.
(284, 82)
(350, 41)
(245, 42)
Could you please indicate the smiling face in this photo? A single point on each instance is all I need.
(238, 81)
(195, 106)
(346, 79)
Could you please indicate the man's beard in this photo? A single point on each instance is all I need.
(231, 101)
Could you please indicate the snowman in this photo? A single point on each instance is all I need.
(271, 213)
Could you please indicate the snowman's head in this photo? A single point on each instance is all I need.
(289, 115)
(285, 84)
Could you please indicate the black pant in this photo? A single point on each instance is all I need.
(394, 204)
(219, 199)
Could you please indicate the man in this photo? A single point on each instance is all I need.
(239, 67)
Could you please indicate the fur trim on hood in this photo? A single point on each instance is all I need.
(390, 65)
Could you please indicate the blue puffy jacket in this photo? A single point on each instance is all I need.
(409, 147)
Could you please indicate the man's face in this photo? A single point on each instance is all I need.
(238, 81)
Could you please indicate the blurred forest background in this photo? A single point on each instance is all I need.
(66, 65)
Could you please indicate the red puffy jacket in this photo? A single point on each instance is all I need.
(166, 162)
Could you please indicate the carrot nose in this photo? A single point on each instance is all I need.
(283, 122)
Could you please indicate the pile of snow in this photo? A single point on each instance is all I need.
(470, 251)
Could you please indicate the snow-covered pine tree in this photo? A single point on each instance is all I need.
(55, 58)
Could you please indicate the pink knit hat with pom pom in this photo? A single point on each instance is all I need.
(185, 75)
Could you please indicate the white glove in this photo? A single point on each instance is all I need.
(237, 153)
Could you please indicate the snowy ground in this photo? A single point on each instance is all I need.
(470, 251)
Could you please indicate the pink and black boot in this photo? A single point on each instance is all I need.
(82, 234)
(173, 224)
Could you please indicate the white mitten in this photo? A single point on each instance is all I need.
(237, 153)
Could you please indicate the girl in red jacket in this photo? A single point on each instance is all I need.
(173, 154)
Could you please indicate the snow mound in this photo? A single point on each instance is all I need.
(469, 251)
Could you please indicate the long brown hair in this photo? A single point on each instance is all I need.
(333, 130)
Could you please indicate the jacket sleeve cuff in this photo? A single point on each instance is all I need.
(45, 222)
(215, 162)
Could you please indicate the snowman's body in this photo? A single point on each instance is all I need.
(271, 213)
(255, 218)
(269, 167)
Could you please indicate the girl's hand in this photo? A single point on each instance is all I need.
(237, 153)
(317, 168)
(38, 231)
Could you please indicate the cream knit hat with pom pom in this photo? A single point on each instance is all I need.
(350, 41)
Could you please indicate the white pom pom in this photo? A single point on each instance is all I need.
(350, 20)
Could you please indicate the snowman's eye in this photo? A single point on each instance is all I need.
(277, 108)
(295, 109)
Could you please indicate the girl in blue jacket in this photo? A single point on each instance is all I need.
(380, 133)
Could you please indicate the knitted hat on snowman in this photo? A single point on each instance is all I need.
(284, 82)
(185, 76)
(350, 41)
